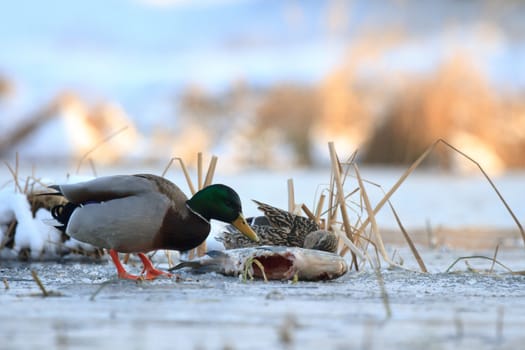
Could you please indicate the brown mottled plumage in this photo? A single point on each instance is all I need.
(281, 228)
(321, 240)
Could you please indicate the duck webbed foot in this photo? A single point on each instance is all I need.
(121, 271)
(151, 272)
(148, 272)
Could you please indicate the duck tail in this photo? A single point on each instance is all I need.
(62, 213)
(53, 187)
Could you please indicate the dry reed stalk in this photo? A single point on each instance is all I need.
(186, 175)
(412, 247)
(494, 259)
(487, 177)
(14, 173)
(353, 248)
(102, 142)
(371, 215)
(291, 196)
(411, 244)
(39, 283)
(199, 171)
(478, 257)
(319, 208)
(26, 185)
(17, 167)
(394, 188)
(201, 249)
(165, 171)
(336, 169)
(308, 212)
(211, 171)
(330, 217)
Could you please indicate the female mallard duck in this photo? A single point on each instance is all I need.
(280, 228)
(140, 213)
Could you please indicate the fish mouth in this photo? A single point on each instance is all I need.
(275, 266)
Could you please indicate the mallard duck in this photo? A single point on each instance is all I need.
(140, 213)
(281, 228)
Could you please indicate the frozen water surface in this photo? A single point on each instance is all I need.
(459, 309)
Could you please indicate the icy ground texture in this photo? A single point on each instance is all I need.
(429, 311)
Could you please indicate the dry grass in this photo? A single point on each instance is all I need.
(359, 236)
(456, 103)
(400, 113)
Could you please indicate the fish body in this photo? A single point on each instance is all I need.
(279, 263)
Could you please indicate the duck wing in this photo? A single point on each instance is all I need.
(291, 224)
(118, 186)
(277, 217)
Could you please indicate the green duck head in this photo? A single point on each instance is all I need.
(221, 202)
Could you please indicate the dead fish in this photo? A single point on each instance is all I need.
(279, 263)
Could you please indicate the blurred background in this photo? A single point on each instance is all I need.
(263, 84)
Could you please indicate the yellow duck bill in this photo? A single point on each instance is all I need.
(241, 225)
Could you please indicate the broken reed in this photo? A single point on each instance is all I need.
(354, 235)
(336, 174)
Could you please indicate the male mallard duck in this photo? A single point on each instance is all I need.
(281, 228)
(140, 213)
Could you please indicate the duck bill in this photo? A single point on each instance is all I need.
(241, 225)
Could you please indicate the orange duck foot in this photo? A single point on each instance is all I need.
(150, 272)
